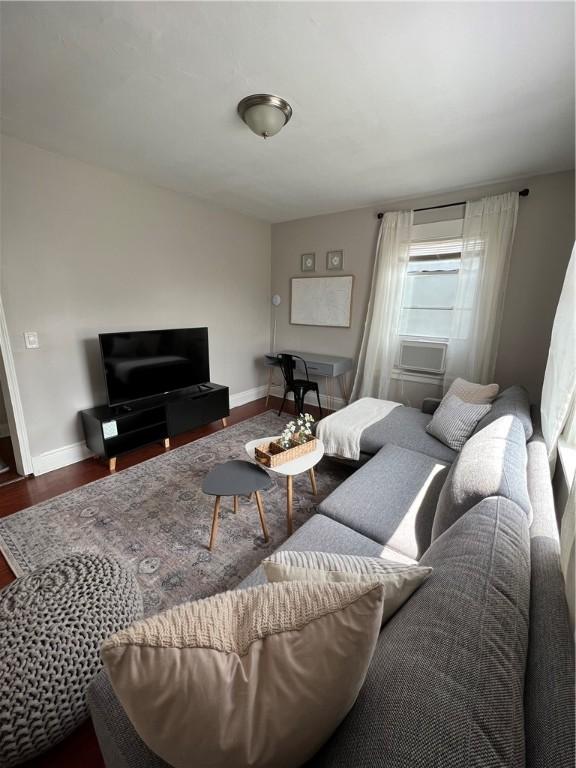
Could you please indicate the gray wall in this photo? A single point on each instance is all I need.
(544, 238)
(87, 250)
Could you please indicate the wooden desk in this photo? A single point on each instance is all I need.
(328, 367)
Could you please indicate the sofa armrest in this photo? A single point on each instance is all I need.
(429, 404)
(549, 686)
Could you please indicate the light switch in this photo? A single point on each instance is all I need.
(31, 339)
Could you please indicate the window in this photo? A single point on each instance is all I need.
(430, 288)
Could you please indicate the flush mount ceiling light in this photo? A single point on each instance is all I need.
(264, 114)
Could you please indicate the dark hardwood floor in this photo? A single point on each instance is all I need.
(81, 748)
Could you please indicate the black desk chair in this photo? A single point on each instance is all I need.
(300, 387)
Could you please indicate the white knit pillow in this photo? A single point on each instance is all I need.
(398, 580)
(454, 421)
(257, 677)
(470, 392)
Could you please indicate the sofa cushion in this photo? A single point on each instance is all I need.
(446, 681)
(406, 428)
(513, 401)
(492, 463)
(258, 677)
(454, 421)
(321, 533)
(391, 499)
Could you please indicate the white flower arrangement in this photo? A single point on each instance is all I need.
(297, 431)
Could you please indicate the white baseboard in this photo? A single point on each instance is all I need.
(241, 398)
(60, 457)
(336, 402)
(71, 454)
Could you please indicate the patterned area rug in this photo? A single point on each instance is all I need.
(155, 519)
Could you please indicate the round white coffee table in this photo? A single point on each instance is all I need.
(305, 463)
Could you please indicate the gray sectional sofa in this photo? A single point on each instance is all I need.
(476, 670)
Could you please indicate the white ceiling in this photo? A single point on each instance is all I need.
(390, 99)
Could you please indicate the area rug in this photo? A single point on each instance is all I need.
(154, 518)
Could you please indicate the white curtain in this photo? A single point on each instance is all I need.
(488, 233)
(559, 389)
(380, 340)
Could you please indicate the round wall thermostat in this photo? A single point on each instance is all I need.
(276, 300)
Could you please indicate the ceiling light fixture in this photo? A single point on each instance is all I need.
(264, 114)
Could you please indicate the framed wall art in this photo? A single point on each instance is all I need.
(323, 301)
(335, 260)
(308, 262)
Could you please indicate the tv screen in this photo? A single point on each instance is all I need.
(141, 364)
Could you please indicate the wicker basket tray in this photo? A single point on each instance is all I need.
(273, 454)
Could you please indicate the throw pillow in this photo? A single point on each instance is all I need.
(398, 580)
(473, 393)
(454, 421)
(258, 677)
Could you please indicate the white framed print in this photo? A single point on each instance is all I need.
(335, 260)
(325, 301)
(308, 262)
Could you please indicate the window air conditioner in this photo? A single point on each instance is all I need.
(424, 356)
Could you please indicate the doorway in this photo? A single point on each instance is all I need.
(8, 471)
(14, 446)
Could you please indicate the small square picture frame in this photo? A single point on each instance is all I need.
(308, 262)
(334, 260)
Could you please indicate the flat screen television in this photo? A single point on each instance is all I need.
(140, 364)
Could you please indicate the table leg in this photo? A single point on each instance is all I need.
(313, 481)
(289, 492)
(344, 388)
(330, 392)
(235, 505)
(214, 523)
(261, 514)
(270, 381)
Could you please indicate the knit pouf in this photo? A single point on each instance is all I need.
(52, 623)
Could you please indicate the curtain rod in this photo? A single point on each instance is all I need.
(522, 193)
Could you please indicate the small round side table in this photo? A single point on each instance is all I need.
(236, 478)
(305, 463)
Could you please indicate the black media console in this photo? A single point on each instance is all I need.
(112, 431)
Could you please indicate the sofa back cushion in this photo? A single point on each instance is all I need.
(513, 401)
(492, 463)
(445, 686)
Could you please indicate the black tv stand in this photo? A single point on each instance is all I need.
(111, 432)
